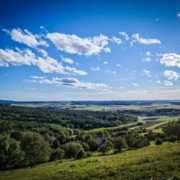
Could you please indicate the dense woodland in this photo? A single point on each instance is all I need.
(73, 119)
(156, 112)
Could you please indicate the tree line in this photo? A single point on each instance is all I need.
(86, 120)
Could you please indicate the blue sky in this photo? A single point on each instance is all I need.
(90, 50)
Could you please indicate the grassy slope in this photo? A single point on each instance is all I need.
(155, 162)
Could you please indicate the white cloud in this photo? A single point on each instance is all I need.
(76, 45)
(178, 14)
(171, 74)
(112, 72)
(95, 69)
(134, 84)
(171, 59)
(121, 87)
(73, 82)
(43, 52)
(27, 57)
(145, 41)
(26, 37)
(118, 65)
(106, 49)
(38, 77)
(148, 54)
(117, 40)
(146, 59)
(42, 27)
(124, 35)
(29, 80)
(166, 83)
(159, 54)
(67, 60)
(105, 62)
(146, 72)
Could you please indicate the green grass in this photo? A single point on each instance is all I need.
(156, 162)
(135, 124)
(169, 118)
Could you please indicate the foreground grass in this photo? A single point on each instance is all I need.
(155, 162)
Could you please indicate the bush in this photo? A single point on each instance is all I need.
(57, 154)
(81, 154)
(158, 141)
(172, 138)
(72, 149)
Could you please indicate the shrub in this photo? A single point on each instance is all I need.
(172, 138)
(158, 141)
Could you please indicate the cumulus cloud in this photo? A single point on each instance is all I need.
(95, 69)
(116, 40)
(145, 41)
(124, 35)
(178, 14)
(72, 82)
(134, 84)
(171, 59)
(67, 60)
(26, 37)
(27, 57)
(118, 65)
(105, 62)
(76, 45)
(171, 75)
(145, 72)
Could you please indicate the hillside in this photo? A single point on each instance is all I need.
(154, 162)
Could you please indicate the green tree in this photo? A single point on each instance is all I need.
(106, 147)
(56, 144)
(131, 140)
(36, 149)
(10, 152)
(93, 146)
(85, 147)
(119, 143)
(72, 149)
(57, 154)
(172, 128)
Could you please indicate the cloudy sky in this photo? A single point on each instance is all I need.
(90, 50)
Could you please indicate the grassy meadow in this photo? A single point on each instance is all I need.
(156, 162)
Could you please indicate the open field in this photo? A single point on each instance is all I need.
(156, 162)
(117, 128)
(155, 121)
(97, 107)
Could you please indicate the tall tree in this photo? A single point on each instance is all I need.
(36, 149)
(119, 143)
